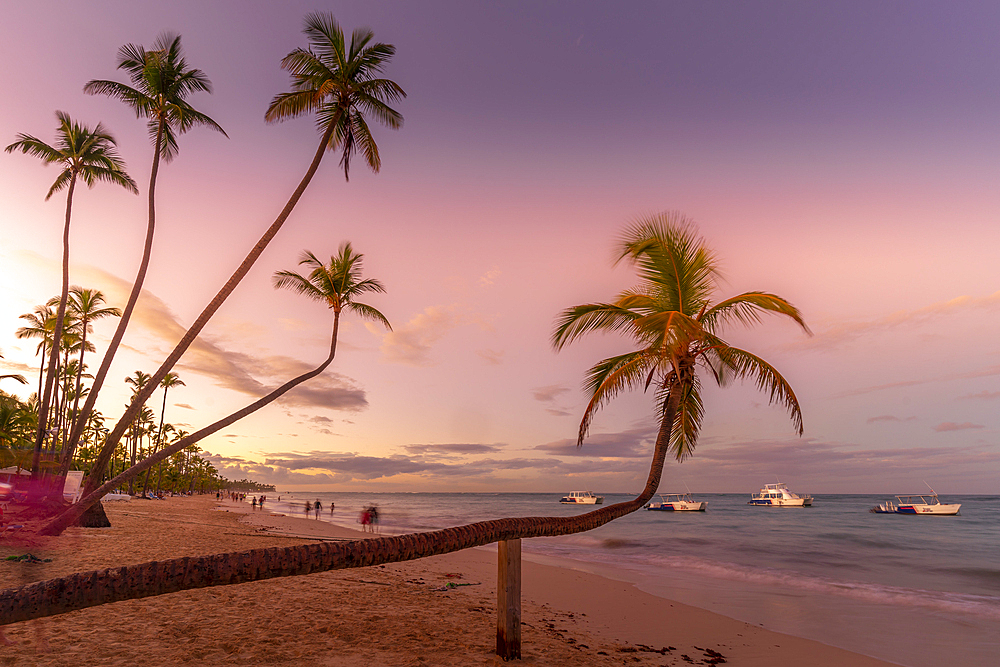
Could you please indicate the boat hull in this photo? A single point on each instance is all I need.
(939, 510)
(678, 507)
(782, 502)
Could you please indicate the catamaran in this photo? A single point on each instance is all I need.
(778, 495)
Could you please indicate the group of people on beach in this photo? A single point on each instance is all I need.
(369, 519)
(257, 501)
(318, 506)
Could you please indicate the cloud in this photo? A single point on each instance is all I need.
(883, 418)
(631, 444)
(230, 369)
(842, 333)
(411, 343)
(984, 395)
(491, 357)
(952, 426)
(970, 375)
(487, 279)
(452, 449)
(548, 396)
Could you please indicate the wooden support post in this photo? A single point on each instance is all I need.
(509, 599)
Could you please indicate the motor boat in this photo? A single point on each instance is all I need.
(581, 498)
(677, 502)
(917, 504)
(778, 495)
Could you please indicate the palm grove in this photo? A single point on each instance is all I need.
(671, 316)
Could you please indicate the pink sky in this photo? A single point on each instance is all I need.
(843, 157)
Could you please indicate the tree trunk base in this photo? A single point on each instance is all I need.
(94, 517)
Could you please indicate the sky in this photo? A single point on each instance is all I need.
(842, 155)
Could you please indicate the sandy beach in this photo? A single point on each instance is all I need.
(435, 611)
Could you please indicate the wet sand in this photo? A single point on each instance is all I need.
(434, 611)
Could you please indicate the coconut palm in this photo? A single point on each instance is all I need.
(41, 324)
(340, 85)
(338, 284)
(87, 306)
(85, 154)
(161, 82)
(169, 380)
(671, 316)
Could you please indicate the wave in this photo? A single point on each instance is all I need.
(983, 606)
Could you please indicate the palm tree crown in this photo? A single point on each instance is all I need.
(337, 283)
(161, 79)
(88, 154)
(672, 317)
(340, 83)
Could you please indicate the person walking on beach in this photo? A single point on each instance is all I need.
(332, 506)
(254, 503)
(318, 506)
(309, 507)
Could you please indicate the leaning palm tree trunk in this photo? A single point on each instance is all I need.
(140, 398)
(75, 511)
(90, 589)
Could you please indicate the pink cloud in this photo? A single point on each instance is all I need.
(952, 426)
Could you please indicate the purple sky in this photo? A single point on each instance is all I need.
(843, 155)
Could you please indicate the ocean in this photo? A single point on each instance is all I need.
(921, 591)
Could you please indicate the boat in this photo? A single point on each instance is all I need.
(919, 503)
(778, 495)
(581, 498)
(677, 502)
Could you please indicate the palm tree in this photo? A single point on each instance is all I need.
(161, 82)
(672, 318)
(87, 306)
(90, 155)
(340, 85)
(337, 284)
(41, 324)
(169, 380)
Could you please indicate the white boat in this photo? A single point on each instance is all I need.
(917, 504)
(778, 495)
(677, 502)
(581, 498)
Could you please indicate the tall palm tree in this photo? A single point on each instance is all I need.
(338, 284)
(90, 155)
(161, 82)
(169, 380)
(340, 85)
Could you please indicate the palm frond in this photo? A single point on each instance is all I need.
(747, 308)
(766, 378)
(608, 378)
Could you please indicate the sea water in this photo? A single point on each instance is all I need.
(920, 591)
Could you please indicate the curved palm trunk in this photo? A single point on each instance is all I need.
(90, 589)
(44, 400)
(105, 454)
(140, 398)
(74, 512)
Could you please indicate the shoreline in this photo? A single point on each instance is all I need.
(434, 611)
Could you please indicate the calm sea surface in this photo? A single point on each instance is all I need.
(921, 591)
